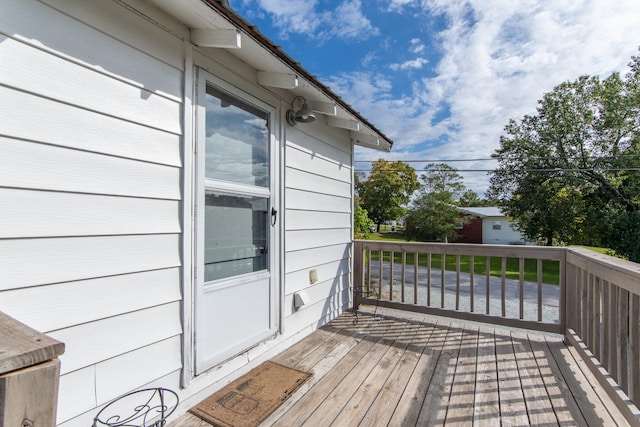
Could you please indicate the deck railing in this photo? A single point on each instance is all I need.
(592, 299)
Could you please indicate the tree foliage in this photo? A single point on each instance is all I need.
(569, 173)
(433, 216)
(387, 190)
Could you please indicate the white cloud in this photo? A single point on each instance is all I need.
(499, 58)
(407, 65)
(347, 21)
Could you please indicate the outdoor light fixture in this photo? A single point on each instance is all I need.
(303, 115)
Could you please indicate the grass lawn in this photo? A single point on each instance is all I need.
(550, 269)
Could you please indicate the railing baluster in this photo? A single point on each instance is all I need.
(584, 305)
(416, 264)
(404, 270)
(622, 338)
(596, 323)
(457, 282)
(488, 284)
(442, 274)
(606, 325)
(471, 284)
(613, 332)
(539, 278)
(369, 271)
(521, 286)
(380, 261)
(392, 255)
(429, 279)
(503, 284)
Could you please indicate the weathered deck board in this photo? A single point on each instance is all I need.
(415, 370)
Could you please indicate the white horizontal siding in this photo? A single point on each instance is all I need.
(121, 374)
(299, 280)
(85, 88)
(73, 127)
(83, 390)
(302, 259)
(33, 262)
(304, 220)
(76, 393)
(90, 343)
(23, 20)
(317, 165)
(163, 42)
(53, 214)
(304, 239)
(52, 307)
(319, 313)
(330, 292)
(40, 166)
(304, 200)
(303, 180)
(327, 143)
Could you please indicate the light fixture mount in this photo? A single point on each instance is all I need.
(303, 115)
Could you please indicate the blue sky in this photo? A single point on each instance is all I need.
(443, 77)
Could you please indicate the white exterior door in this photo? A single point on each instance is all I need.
(235, 291)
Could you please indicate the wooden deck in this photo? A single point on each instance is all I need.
(403, 369)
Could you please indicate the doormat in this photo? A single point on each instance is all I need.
(250, 399)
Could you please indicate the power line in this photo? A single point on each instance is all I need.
(620, 156)
(520, 170)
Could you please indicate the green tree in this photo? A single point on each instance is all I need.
(569, 173)
(361, 221)
(471, 199)
(433, 216)
(387, 190)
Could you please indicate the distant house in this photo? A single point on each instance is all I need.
(167, 202)
(488, 225)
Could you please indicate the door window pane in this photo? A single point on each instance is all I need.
(237, 140)
(236, 230)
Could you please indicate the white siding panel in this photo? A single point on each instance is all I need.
(51, 214)
(75, 393)
(303, 180)
(78, 128)
(40, 166)
(296, 240)
(122, 374)
(309, 220)
(333, 292)
(302, 259)
(52, 307)
(23, 20)
(76, 258)
(314, 164)
(323, 145)
(111, 18)
(319, 313)
(297, 199)
(67, 82)
(299, 280)
(90, 343)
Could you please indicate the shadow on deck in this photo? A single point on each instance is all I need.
(405, 369)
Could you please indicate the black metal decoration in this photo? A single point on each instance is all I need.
(141, 408)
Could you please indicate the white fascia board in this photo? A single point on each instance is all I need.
(222, 38)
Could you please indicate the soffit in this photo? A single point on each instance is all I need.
(262, 55)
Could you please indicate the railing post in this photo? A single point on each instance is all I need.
(358, 268)
(562, 300)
